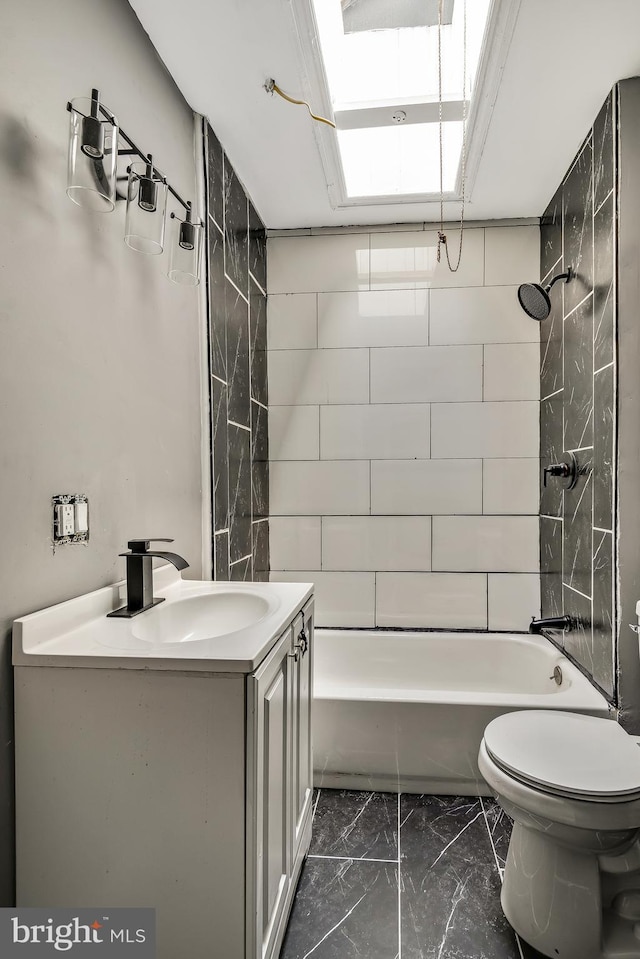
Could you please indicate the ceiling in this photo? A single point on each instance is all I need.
(564, 57)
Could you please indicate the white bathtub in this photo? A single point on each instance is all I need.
(405, 711)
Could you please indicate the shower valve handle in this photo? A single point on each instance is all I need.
(566, 471)
(556, 469)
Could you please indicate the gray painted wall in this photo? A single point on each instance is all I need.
(99, 364)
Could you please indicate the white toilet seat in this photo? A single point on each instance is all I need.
(566, 754)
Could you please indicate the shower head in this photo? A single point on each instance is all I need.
(534, 299)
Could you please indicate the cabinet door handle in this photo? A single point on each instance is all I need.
(295, 655)
(303, 643)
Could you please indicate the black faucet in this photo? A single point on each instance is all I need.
(551, 622)
(140, 575)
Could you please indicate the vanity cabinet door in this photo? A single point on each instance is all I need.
(301, 745)
(268, 834)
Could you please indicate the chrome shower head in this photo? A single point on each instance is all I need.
(534, 299)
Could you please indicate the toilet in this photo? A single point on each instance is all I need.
(571, 784)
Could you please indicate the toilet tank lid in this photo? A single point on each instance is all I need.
(582, 755)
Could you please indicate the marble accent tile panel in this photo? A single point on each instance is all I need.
(375, 318)
(603, 150)
(221, 556)
(578, 229)
(258, 338)
(513, 599)
(551, 566)
(217, 310)
(257, 247)
(500, 826)
(603, 466)
(260, 490)
(409, 260)
(236, 230)
(260, 539)
(551, 235)
(551, 347)
(484, 430)
(551, 451)
(341, 599)
(473, 544)
(320, 488)
(426, 487)
(511, 371)
(603, 280)
(355, 825)
(294, 542)
(301, 377)
(239, 492)
(489, 314)
(315, 264)
(359, 914)
(578, 642)
(510, 486)
(603, 632)
(426, 374)
(432, 600)
(237, 313)
(294, 432)
(259, 433)
(512, 255)
(220, 454)
(578, 377)
(215, 176)
(576, 563)
(376, 542)
(240, 572)
(450, 887)
(386, 431)
(260, 462)
(292, 321)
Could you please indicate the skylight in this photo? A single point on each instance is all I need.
(383, 85)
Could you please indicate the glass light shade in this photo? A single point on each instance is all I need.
(146, 208)
(93, 156)
(184, 258)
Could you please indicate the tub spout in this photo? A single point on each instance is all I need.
(551, 622)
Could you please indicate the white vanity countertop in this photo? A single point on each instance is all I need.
(78, 632)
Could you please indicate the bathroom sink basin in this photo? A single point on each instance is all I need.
(202, 617)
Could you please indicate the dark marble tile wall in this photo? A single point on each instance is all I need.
(237, 281)
(578, 412)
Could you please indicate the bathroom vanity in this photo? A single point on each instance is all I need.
(159, 764)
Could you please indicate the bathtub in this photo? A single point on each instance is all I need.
(405, 711)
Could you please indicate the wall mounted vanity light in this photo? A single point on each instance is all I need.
(92, 178)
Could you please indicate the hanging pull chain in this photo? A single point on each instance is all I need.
(442, 237)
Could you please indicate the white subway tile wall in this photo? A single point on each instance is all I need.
(404, 425)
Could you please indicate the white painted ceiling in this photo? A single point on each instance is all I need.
(565, 56)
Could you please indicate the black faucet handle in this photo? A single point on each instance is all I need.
(142, 545)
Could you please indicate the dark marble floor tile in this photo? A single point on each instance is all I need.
(236, 230)
(237, 317)
(260, 539)
(217, 308)
(221, 556)
(551, 451)
(500, 827)
(239, 492)
(603, 631)
(603, 467)
(257, 247)
(220, 454)
(215, 177)
(359, 825)
(603, 285)
(449, 884)
(551, 235)
(577, 204)
(578, 641)
(344, 910)
(577, 528)
(551, 344)
(603, 147)
(240, 572)
(258, 335)
(578, 377)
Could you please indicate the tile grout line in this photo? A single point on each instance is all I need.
(486, 822)
(349, 858)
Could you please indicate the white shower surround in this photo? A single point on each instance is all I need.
(406, 711)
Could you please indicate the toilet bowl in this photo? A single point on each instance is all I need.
(571, 784)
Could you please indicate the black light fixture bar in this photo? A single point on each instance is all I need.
(134, 149)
